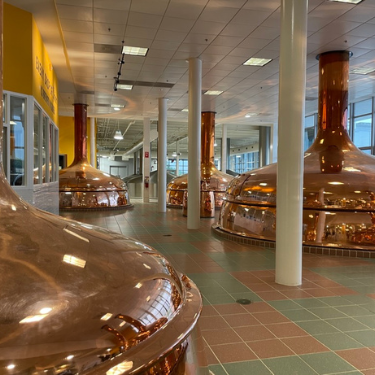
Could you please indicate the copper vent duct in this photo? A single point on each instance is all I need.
(339, 179)
(212, 180)
(83, 186)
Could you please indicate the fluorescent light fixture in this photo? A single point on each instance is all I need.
(185, 110)
(135, 51)
(263, 184)
(70, 259)
(11, 366)
(121, 86)
(116, 109)
(138, 286)
(117, 105)
(213, 92)
(118, 135)
(335, 183)
(362, 70)
(347, 1)
(33, 318)
(255, 61)
(69, 357)
(76, 235)
(106, 316)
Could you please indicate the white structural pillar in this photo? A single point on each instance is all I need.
(162, 156)
(194, 143)
(290, 150)
(146, 160)
(92, 142)
(224, 155)
(177, 158)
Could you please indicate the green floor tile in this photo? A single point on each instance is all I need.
(326, 312)
(217, 370)
(310, 302)
(367, 320)
(354, 310)
(287, 366)
(338, 341)
(248, 295)
(359, 299)
(317, 326)
(300, 315)
(285, 305)
(219, 299)
(248, 368)
(336, 301)
(346, 324)
(366, 337)
(327, 363)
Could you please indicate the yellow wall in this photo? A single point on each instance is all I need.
(66, 138)
(27, 67)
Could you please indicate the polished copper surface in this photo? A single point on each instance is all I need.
(82, 186)
(211, 178)
(339, 179)
(79, 299)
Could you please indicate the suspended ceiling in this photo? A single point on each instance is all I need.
(84, 40)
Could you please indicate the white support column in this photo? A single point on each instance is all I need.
(92, 142)
(194, 143)
(224, 148)
(290, 150)
(146, 160)
(162, 156)
(177, 158)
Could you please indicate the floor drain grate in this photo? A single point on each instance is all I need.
(243, 301)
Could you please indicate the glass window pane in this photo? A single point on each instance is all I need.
(363, 108)
(362, 131)
(309, 121)
(308, 137)
(17, 141)
(5, 150)
(50, 143)
(44, 150)
(36, 144)
(4, 107)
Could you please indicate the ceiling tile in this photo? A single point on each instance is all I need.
(110, 16)
(176, 24)
(75, 12)
(217, 14)
(109, 29)
(150, 6)
(146, 20)
(250, 17)
(213, 28)
(140, 32)
(111, 4)
(170, 36)
(181, 9)
(77, 26)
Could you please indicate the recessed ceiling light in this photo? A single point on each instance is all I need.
(347, 1)
(213, 92)
(121, 86)
(135, 51)
(362, 70)
(254, 61)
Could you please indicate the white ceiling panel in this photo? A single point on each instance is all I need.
(222, 33)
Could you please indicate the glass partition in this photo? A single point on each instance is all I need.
(37, 139)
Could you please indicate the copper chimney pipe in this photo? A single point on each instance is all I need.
(212, 180)
(84, 187)
(339, 179)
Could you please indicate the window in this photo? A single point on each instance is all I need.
(37, 142)
(244, 162)
(309, 131)
(362, 124)
(17, 141)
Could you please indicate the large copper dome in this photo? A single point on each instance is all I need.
(82, 186)
(212, 180)
(339, 179)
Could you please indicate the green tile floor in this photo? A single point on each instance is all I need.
(324, 326)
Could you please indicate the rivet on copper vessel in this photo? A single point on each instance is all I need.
(212, 180)
(83, 186)
(339, 179)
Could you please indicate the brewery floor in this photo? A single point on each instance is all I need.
(324, 326)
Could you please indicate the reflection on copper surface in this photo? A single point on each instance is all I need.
(212, 180)
(85, 187)
(339, 179)
(69, 339)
